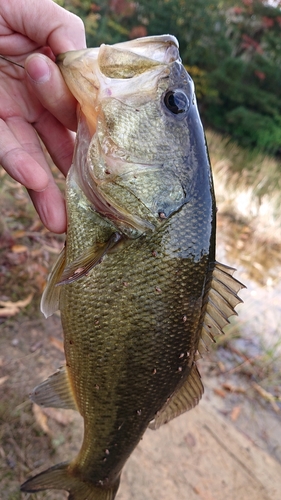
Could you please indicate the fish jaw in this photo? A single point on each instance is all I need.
(97, 73)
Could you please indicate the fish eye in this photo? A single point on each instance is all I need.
(176, 101)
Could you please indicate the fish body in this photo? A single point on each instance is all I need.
(137, 285)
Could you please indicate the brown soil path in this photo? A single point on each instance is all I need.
(200, 456)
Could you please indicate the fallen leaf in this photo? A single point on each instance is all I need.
(19, 248)
(41, 419)
(3, 379)
(220, 392)
(235, 413)
(8, 308)
(19, 233)
(233, 388)
(57, 343)
(37, 252)
(221, 366)
(267, 396)
(204, 495)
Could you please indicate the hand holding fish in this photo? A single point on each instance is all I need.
(37, 101)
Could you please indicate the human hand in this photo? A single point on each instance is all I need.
(36, 100)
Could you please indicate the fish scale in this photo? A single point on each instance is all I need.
(133, 343)
(138, 287)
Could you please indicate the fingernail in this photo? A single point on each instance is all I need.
(37, 68)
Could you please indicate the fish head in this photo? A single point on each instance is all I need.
(138, 110)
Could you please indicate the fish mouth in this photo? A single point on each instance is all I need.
(161, 48)
(111, 70)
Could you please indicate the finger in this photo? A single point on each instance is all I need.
(45, 23)
(50, 206)
(48, 203)
(58, 140)
(19, 163)
(69, 33)
(47, 199)
(45, 79)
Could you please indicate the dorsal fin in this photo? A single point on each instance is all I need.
(220, 299)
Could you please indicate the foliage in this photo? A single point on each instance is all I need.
(248, 101)
(232, 49)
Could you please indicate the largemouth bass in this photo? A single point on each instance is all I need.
(138, 287)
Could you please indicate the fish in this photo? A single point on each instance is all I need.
(139, 289)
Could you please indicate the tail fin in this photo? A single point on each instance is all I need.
(59, 478)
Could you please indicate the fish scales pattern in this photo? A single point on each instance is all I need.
(140, 331)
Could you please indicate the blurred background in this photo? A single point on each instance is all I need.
(232, 50)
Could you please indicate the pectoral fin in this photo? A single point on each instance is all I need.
(51, 294)
(182, 400)
(55, 391)
(88, 259)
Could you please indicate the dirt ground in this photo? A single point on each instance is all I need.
(228, 447)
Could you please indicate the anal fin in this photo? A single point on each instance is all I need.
(184, 399)
(55, 391)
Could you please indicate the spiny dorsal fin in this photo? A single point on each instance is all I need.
(55, 391)
(51, 294)
(220, 300)
(184, 399)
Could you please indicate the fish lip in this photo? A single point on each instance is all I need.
(166, 38)
(141, 46)
(159, 48)
(67, 58)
